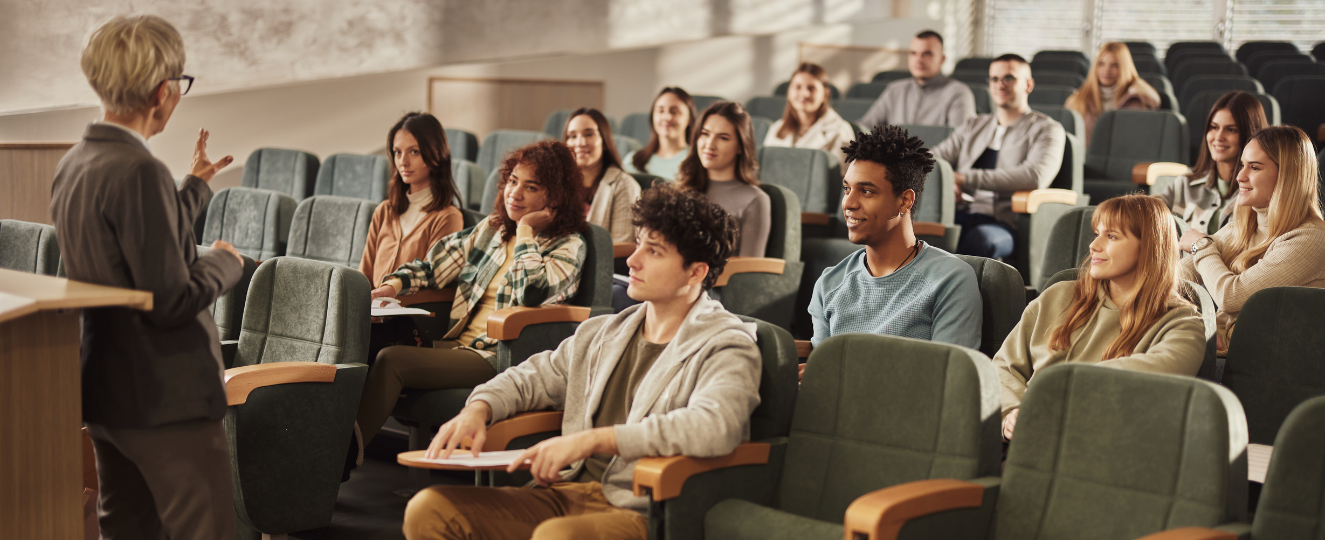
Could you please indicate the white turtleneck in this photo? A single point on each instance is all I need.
(1262, 226)
(1106, 98)
(417, 201)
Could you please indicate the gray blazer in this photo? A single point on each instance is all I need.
(121, 222)
(1197, 202)
(1031, 155)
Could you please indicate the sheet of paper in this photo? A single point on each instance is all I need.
(463, 458)
(397, 311)
(1258, 461)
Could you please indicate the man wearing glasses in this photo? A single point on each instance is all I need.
(153, 399)
(995, 155)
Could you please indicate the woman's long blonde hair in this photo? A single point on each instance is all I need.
(1294, 201)
(1150, 222)
(1087, 100)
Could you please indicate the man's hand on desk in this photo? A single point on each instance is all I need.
(548, 458)
(472, 422)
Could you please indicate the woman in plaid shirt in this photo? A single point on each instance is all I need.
(529, 252)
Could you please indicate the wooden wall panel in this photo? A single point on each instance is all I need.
(26, 173)
(483, 105)
(850, 64)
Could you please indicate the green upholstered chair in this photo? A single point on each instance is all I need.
(930, 135)
(1071, 120)
(500, 142)
(463, 144)
(1224, 83)
(1004, 298)
(770, 107)
(353, 175)
(1205, 65)
(1068, 274)
(702, 101)
(765, 287)
(228, 310)
(1050, 94)
(1124, 138)
(1061, 63)
(1098, 454)
(292, 172)
(852, 108)
(636, 126)
(873, 411)
(1276, 70)
(1059, 78)
(1067, 245)
(331, 229)
(1249, 48)
(984, 101)
(470, 180)
(626, 144)
(555, 125)
(255, 221)
(1274, 356)
(761, 126)
(870, 90)
(1038, 210)
(522, 332)
(29, 247)
(1299, 101)
(974, 63)
(972, 77)
(812, 176)
(293, 393)
(1061, 54)
(892, 75)
(1149, 64)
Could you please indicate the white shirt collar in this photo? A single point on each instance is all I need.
(135, 134)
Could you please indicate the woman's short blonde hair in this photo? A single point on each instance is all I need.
(128, 57)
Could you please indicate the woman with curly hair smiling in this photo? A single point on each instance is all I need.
(529, 252)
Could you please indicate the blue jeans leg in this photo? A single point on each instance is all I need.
(984, 236)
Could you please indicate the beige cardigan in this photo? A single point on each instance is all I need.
(829, 133)
(1175, 344)
(610, 208)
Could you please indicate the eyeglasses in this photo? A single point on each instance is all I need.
(185, 83)
(1006, 79)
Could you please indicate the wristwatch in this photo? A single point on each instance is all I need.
(1200, 244)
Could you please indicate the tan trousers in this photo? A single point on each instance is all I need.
(171, 482)
(400, 367)
(567, 510)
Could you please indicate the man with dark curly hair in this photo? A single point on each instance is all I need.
(897, 285)
(675, 375)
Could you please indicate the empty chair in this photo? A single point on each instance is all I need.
(1081, 66)
(255, 221)
(1246, 50)
(636, 125)
(1194, 45)
(869, 90)
(974, 63)
(1258, 60)
(1318, 51)
(930, 135)
(972, 77)
(1300, 101)
(702, 102)
(29, 247)
(1148, 64)
(626, 144)
(1138, 47)
(463, 144)
(984, 101)
(499, 142)
(770, 107)
(352, 175)
(1070, 119)
(1124, 138)
(291, 172)
(469, 183)
(1050, 94)
(852, 108)
(555, 124)
(330, 229)
(885, 77)
(1223, 83)
(228, 310)
(1276, 70)
(1172, 61)
(1159, 82)
(761, 126)
(1059, 78)
(1061, 54)
(1205, 67)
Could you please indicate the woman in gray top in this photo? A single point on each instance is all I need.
(722, 165)
(1202, 198)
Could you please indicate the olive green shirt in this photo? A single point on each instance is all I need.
(619, 393)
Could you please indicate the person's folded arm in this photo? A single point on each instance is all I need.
(538, 279)
(1178, 349)
(1292, 260)
(1036, 172)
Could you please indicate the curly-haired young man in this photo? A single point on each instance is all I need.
(896, 285)
(676, 374)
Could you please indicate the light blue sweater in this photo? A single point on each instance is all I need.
(934, 297)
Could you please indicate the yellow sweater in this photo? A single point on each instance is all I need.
(1175, 344)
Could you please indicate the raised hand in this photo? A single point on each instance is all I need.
(202, 167)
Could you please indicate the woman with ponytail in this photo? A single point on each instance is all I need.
(1122, 311)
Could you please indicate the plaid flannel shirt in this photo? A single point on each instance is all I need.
(546, 271)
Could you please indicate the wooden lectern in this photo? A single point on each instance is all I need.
(41, 405)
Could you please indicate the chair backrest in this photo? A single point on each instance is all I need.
(636, 126)
(1148, 64)
(1059, 54)
(1061, 276)
(777, 382)
(469, 182)
(1258, 60)
(761, 126)
(1093, 444)
(936, 203)
(255, 221)
(930, 135)
(1003, 295)
(555, 125)
(1060, 78)
(29, 247)
(852, 108)
(1160, 83)
(330, 229)
(1075, 65)
(1136, 47)
(941, 420)
(869, 90)
(702, 101)
(974, 63)
(352, 175)
(1124, 138)
(1205, 66)
(292, 172)
(500, 142)
(984, 101)
(1175, 59)
(463, 144)
(806, 172)
(1274, 357)
(1246, 50)
(1071, 120)
(972, 77)
(595, 289)
(1224, 83)
(1050, 94)
(228, 310)
(886, 77)
(306, 311)
(1194, 45)
(1275, 70)
(1069, 242)
(770, 107)
(784, 235)
(1293, 496)
(646, 180)
(1300, 101)
(1198, 296)
(626, 144)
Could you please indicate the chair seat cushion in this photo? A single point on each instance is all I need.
(737, 519)
(433, 407)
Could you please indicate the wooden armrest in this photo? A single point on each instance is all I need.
(89, 463)
(803, 348)
(880, 514)
(427, 296)
(928, 228)
(242, 380)
(1145, 174)
(1191, 533)
(1028, 202)
(815, 218)
(750, 265)
(506, 324)
(621, 251)
(665, 476)
(500, 434)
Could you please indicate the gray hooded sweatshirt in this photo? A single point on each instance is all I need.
(695, 401)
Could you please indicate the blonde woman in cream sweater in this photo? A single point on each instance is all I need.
(1276, 237)
(1122, 311)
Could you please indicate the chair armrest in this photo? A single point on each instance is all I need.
(928, 228)
(750, 265)
(803, 348)
(621, 251)
(1028, 202)
(665, 476)
(242, 380)
(500, 434)
(1144, 174)
(428, 296)
(1191, 533)
(880, 514)
(815, 218)
(506, 324)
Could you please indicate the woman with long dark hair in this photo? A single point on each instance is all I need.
(608, 190)
(672, 119)
(722, 165)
